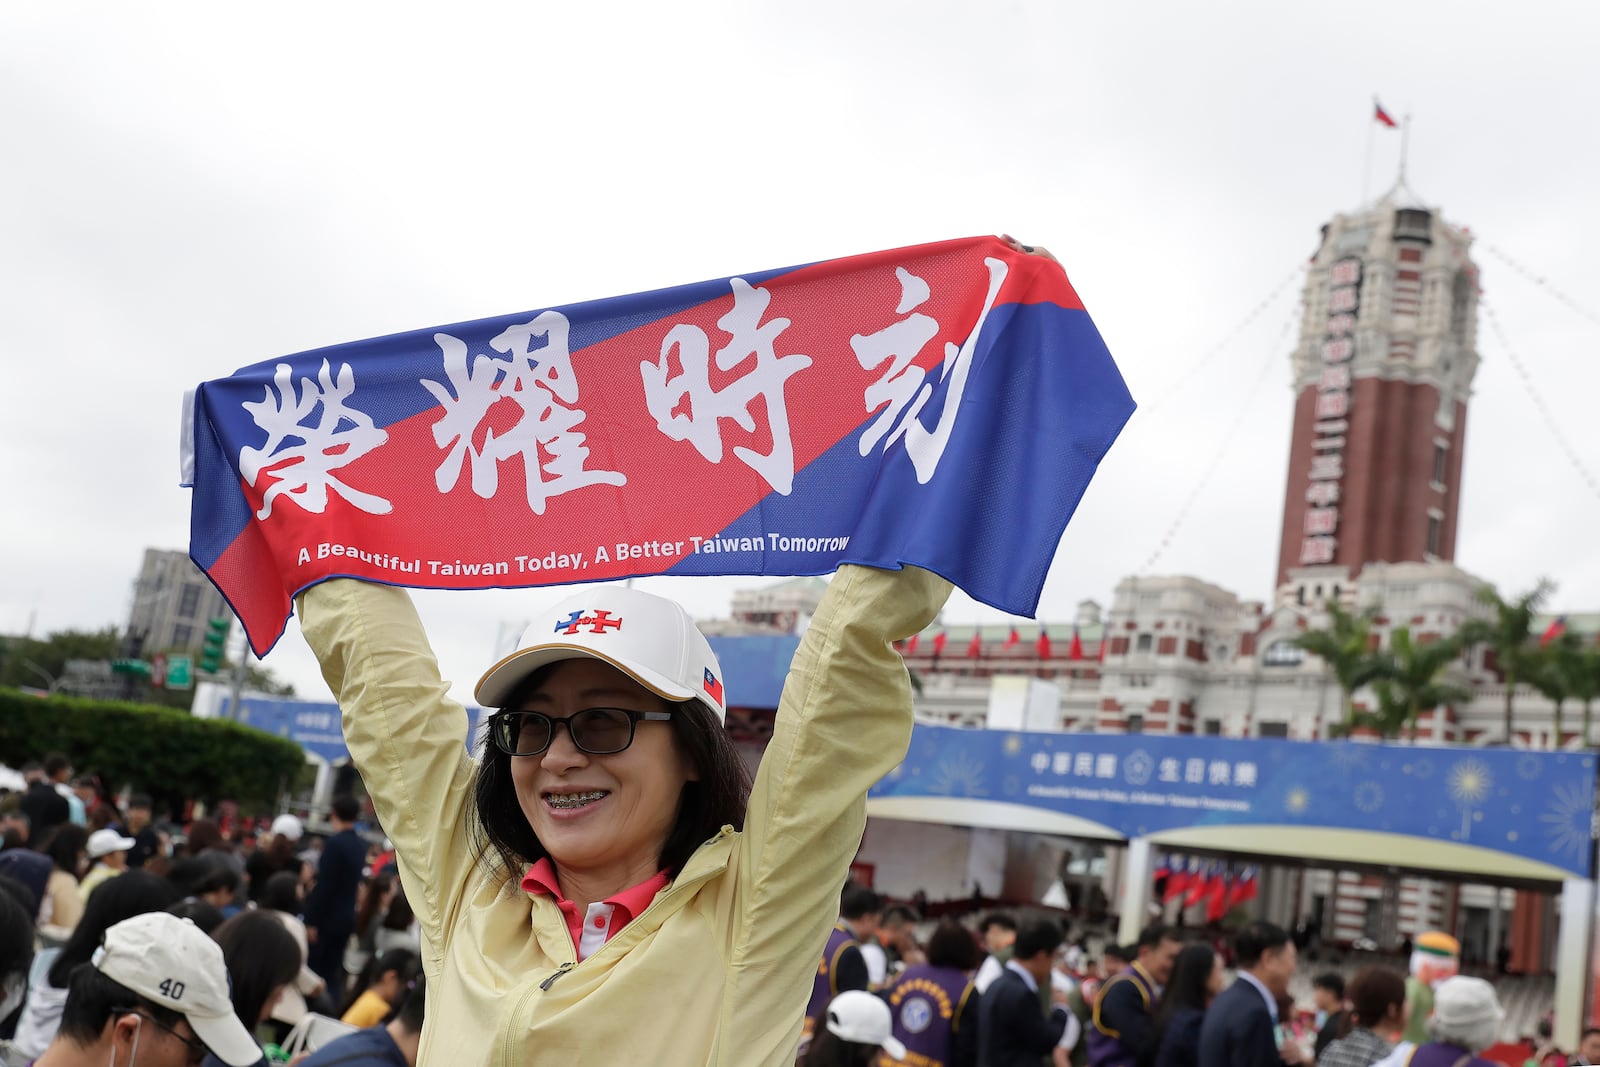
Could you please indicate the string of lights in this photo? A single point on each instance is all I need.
(1541, 282)
(1274, 354)
(1176, 387)
(1538, 398)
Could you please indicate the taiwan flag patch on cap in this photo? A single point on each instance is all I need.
(713, 687)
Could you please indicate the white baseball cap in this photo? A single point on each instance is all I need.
(105, 842)
(856, 1015)
(288, 826)
(649, 638)
(171, 963)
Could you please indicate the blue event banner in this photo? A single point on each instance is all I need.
(1536, 805)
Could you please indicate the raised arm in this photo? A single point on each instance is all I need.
(405, 734)
(843, 722)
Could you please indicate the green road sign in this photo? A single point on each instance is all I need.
(180, 672)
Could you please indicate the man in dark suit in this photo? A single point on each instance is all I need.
(330, 909)
(1013, 1030)
(1240, 1029)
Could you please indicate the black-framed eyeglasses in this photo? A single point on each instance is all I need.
(197, 1048)
(597, 731)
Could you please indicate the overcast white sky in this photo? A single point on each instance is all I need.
(188, 188)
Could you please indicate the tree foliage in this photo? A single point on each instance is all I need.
(1509, 631)
(1345, 646)
(1413, 668)
(21, 658)
(169, 754)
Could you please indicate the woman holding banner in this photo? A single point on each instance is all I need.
(593, 889)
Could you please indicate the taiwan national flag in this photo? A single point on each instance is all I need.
(975, 646)
(1244, 887)
(1043, 645)
(1217, 895)
(1075, 650)
(1177, 880)
(911, 645)
(1553, 632)
(1199, 885)
(1382, 117)
(938, 644)
(713, 687)
(1012, 638)
(943, 405)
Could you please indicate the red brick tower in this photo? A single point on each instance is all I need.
(1382, 375)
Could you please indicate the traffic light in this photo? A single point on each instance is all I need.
(216, 643)
(138, 668)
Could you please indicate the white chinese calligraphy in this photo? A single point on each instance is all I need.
(304, 471)
(687, 408)
(903, 390)
(540, 381)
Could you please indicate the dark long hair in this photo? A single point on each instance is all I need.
(130, 893)
(1187, 987)
(261, 956)
(66, 845)
(503, 837)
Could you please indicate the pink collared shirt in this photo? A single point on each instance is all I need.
(603, 920)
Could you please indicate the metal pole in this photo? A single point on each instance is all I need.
(238, 679)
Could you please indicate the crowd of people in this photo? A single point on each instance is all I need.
(1000, 994)
(306, 928)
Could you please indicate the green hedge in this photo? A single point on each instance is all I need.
(169, 754)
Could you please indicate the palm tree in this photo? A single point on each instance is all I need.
(1345, 647)
(1565, 670)
(1585, 684)
(1509, 633)
(1415, 667)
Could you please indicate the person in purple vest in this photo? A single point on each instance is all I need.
(1466, 1020)
(1122, 1030)
(934, 1005)
(842, 966)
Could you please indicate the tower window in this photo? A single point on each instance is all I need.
(1435, 528)
(1439, 458)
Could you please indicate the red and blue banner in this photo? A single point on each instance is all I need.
(943, 405)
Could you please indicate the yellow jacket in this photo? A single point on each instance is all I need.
(718, 968)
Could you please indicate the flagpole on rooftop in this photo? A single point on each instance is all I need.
(1366, 161)
(1405, 144)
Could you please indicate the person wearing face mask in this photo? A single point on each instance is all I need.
(598, 876)
(155, 994)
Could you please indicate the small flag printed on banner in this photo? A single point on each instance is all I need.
(713, 687)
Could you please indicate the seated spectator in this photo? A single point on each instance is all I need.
(198, 912)
(126, 897)
(154, 995)
(1377, 1014)
(378, 991)
(61, 906)
(281, 900)
(109, 852)
(16, 950)
(855, 1028)
(262, 961)
(393, 1044)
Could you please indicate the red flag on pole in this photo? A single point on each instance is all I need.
(911, 645)
(1177, 881)
(938, 643)
(1101, 655)
(1013, 637)
(1217, 896)
(1556, 628)
(1382, 116)
(1199, 883)
(1042, 646)
(975, 646)
(1244, 888)
(1075, 650)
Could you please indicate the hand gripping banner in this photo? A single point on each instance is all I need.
(943, 405)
